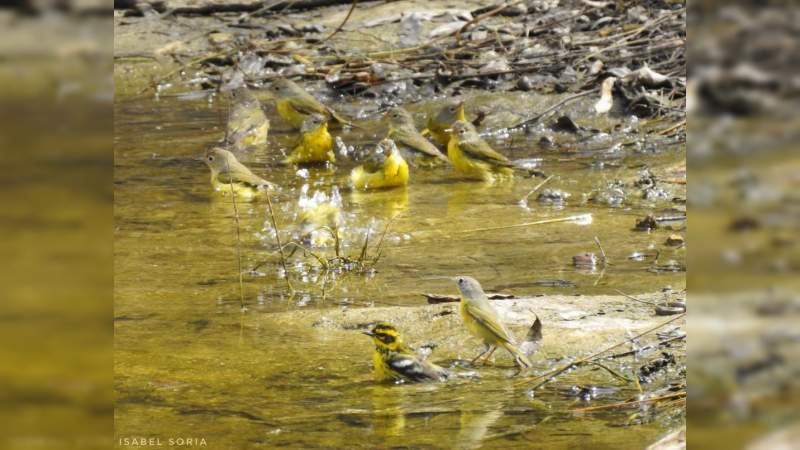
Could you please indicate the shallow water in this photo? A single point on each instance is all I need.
(189, 364)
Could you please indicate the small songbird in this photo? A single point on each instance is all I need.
(412, 143)
(247, 123)
(316, 143)
(228, 174)
(475, 158)
(441, 122)
(295, 105)
(481, 320)
(393, 360)
(384, 168)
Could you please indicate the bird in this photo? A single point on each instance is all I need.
(441, 122)
(247, 123)
(384, 168)
(412, 143)
(316, 143)
(228, 174)
(295, 105)
(481, 319)
(393, 360)
(475, 158)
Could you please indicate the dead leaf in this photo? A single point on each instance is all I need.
(606, 100)
(533, 339)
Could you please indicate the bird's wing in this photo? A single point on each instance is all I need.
(415, 369)
(338, 117)
(488, 318)
(480, 150)
(415, 141)
(244, 177)
(306, 104)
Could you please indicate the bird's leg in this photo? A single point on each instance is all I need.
(472, 363)
(486, 359)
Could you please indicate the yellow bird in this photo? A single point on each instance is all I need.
(227, 174)
(295, 105)
(316, 143)
(441, 122)
(474, 157)
(482, 321)
(385, 168)
(393, 360)
(412, 143)
(247, 123)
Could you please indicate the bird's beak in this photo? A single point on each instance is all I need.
(199, 158)
(368, 333)
(448, 130)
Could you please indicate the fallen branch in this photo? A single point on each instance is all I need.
(341, 25)
(549, 376)
(578, 219)
(559, 104)
(676, 395)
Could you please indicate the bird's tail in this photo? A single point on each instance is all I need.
(519, 358)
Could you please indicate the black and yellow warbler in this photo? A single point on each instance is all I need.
(482, 321)
(393, 360)
(247, 124)
(412, 143)
(228, 174)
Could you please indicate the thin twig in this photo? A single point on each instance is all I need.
(672, 128)
(526, 224)
(378, 248)
(364, 247)
(280, 247)
(547, 377)
(676, 395)
(537, 187)
(341, 25)
(485, 15)
(238, 242)
(602, 252)
(180, 69)
(634, 298)
(561, 103)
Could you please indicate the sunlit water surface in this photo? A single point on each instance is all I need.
(190, 364)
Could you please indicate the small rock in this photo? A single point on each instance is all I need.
(553, 197)
(585, 260)
(647, 223)
(675, 240)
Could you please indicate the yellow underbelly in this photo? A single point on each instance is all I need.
(394, 174)
(317, 147)
(290, 115)
(475, 328)
(380, 370)
(473, 168)
(240, 190)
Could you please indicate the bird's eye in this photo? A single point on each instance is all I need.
(460, 281)
(210, 158)
(452, 109)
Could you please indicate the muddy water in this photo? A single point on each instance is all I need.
(189, 364)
